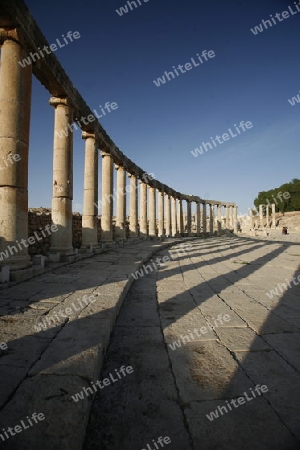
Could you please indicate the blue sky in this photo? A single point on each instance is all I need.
(117, 58)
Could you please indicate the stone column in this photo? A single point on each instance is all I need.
(267, 216)
(261, 217)
(251, 218)
(219, 218)
(90, 192)
(273, 216)
(168, 215)
(180, 218)
(143, 210)
(227, 217)
(161, 214)
(235, 219)
(107, 197)
(198, 221)
(121, 202)
(152, 211)
(189, 217)
(204, 218)
(15, 104)
(133, 220)
(211, 218)
(61, 240)
(174, 218)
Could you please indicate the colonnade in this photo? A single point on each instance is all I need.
(155, 209)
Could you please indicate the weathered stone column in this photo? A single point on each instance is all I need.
(204, 218)
(143, 210)
(107, 197)
(161, 214)
(219, 218)
(152, 211)
(174, 217)
(267, 216)
(189, 217)
(235, 219)
(121, 202)
(251, 218)
(227, 217)
(133, 220)
(168, 215)
(61, 240)
(273, 216)
(90, 192)
(211, 218)
(180, 218)
(198, 219)
(261, 217)
(15, 104)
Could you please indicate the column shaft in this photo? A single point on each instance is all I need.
(204, 217)
(174, 217)
(133, 221)
(90, 192)
(219, 217)
(15, 105)
(211, 219)
(121, 203)
(273, 216)
(161, 214)
(189, 218)
(107, 197)
(152, 212)
(180, 218)
(61, 240)
(168, 216)
(198, 223)
(143, 210)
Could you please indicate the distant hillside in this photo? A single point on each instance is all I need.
(288, 202)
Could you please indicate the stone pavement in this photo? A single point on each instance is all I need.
(174, 389)
(187, 361)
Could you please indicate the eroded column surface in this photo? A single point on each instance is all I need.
(227, 217)
(161, 214)
(267, 216)
(204, 217)
(121, 202)
(152, 211)
(211, 218)
(174, 217)
(198, 219)
(90, 192)
(273, 216)
(61, 240)
(235, 219)
(261, 217)
(219, 218)
(133, 219)
(15, 105)
(168, 215)
(107, 197)
(180, 218)
(143, 210)
(189, 218)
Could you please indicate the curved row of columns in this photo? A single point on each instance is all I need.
(15, 101)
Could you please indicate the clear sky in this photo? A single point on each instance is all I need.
(117, 58)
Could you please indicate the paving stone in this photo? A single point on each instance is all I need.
(241, 339)
(253, 425)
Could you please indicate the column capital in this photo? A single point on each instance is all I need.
(105, 153)
(55, 101)
(87, 135)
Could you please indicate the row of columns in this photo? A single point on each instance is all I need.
(15, 101)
